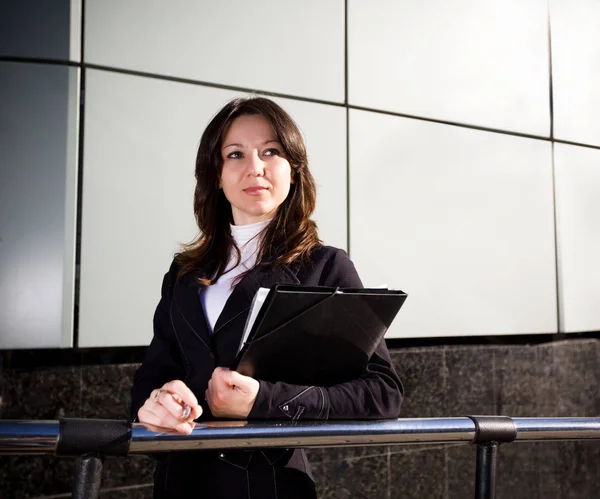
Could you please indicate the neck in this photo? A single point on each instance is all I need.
(244, 233)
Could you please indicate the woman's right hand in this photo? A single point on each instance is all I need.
(165, 408)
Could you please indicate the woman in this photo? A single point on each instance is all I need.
(253, 201)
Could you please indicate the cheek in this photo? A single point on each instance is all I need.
(285, 173)
(284, 181)
(226, 186)
(286, 185)
(227, 179)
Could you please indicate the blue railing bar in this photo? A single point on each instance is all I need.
(41, 437)
(28, 437)
(246, 435)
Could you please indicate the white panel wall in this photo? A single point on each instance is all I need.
(468, 61)
(38, 181)
(576, 70)
(295, 48)
(578, 222)
(140, 142)
(465, 216)
(461, 220)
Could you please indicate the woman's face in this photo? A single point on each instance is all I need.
(256, 176)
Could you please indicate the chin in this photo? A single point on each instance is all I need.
(260, 211)
(262, 215)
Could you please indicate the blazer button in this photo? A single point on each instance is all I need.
(286, 408)
(221, 455)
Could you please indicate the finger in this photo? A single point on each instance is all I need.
(148, 417)
(158, 415)
(154, 411)
(154, 394)
(185, 428)
(149, 407)
(155, 429)
(162, 429)
(209, 391)
(212, 398)
(176, 408)
(182, 397)
(218, 388)
(223, 374)
(236, 379)
(220, 379)
(180, 388)
(196, 412)
(181, 392)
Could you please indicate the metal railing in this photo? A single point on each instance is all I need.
(91, 440)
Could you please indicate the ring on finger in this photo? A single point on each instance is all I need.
(156, 396)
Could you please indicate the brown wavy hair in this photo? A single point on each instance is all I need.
(290, 236)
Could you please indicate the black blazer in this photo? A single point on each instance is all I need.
(182, 348)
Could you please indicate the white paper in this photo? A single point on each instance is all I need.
(257, 303)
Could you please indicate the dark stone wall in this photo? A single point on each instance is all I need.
(554, 379)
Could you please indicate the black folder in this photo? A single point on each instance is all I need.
(316, 335)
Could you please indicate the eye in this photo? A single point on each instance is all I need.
(234, 155)
(272, 152)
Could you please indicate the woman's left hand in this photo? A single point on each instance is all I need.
(231, 394)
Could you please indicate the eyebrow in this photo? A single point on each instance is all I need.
(240, 145)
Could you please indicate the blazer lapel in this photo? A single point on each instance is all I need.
(241, 298)
(186, 300)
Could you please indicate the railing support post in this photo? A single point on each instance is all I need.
(485, 474)
(490, 431)
(91, 439)
(88, 477)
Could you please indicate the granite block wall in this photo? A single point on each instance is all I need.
(550, 379)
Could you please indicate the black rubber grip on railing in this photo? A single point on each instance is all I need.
(106, 437)
(500, 429)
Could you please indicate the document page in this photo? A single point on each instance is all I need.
(257, 303)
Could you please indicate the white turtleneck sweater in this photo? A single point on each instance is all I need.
(214, 297)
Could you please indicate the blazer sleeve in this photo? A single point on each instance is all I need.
(376, 394)
(162, 360)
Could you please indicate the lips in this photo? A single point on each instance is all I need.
(255, 190)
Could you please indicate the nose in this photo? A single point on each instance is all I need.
(256, 166)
